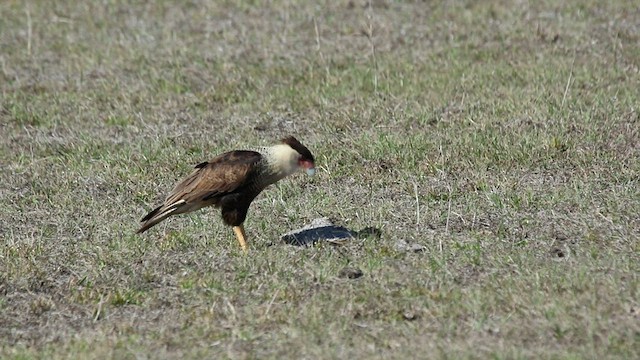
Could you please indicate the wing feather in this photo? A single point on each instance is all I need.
(226, 173)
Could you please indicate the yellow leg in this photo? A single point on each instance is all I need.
(239, 231)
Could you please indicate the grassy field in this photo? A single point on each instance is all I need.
(501, 136)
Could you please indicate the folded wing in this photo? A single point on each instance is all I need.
(228, 173)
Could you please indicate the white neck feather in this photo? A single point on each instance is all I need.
(281, 159)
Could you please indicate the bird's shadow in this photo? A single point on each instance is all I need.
(323, 230)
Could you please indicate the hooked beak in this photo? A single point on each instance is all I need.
(309, 166)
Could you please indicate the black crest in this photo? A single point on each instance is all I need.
(297, 146)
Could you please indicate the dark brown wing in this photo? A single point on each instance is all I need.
(207, 184)
(223, 174)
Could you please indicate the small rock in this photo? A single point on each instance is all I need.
(409, 315)
(350, 273)
(403, 246)
(558, 252)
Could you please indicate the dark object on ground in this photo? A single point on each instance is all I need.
(350, 273)
(322, 229)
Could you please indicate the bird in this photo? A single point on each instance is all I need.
(231, 181)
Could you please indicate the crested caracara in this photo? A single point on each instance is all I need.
(231, 181)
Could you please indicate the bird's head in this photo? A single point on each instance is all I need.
(290, 155)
